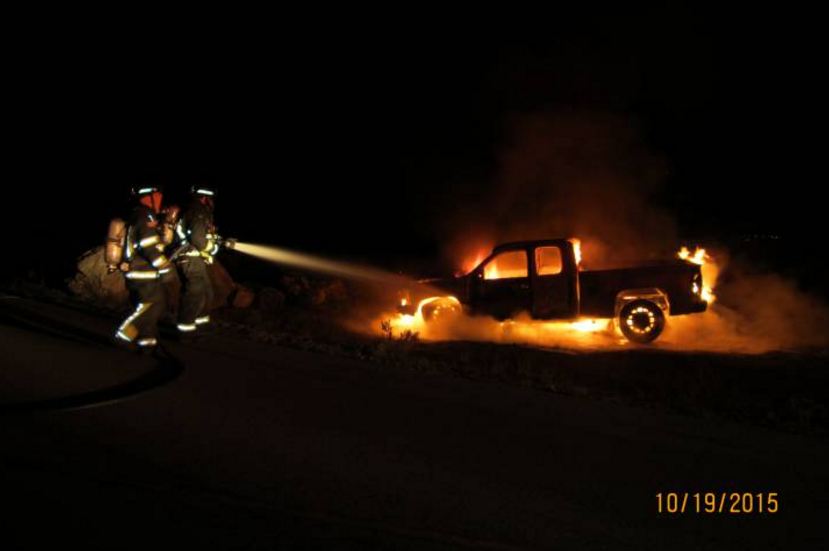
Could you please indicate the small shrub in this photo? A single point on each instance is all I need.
(409, 336)
(386, 328)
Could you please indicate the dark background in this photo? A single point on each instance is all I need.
(355, 134)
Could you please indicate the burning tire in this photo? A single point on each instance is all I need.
(641, 321)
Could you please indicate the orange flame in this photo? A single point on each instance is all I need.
(710, 271)
(698, 257)
(472, 262)
(431, 312)
(576, 250)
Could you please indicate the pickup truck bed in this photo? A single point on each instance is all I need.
(598, 288)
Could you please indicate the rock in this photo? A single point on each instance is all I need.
(328, 293)
(296, 285)
(92, 282)
(223, 284)
(243, 298)
(271, 299)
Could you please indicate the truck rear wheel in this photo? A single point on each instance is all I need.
(641, 321)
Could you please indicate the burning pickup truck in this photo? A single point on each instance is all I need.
(544, 278)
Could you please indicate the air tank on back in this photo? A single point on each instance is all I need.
(116, 236)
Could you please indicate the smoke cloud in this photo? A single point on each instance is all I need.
(590, 175)
(570, 174)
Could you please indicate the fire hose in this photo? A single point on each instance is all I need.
(168, 368)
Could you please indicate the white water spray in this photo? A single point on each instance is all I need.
(318, 264)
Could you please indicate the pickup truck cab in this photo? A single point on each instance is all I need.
(544, 278)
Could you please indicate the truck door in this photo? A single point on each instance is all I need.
(503, 285)
(552, 295)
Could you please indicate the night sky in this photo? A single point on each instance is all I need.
(360, 139)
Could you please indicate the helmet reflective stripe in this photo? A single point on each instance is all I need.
(204, 192)
(147, 241)
(146, 190)
(202, 320)
(142, 274)
(186, 327)
(147, 342)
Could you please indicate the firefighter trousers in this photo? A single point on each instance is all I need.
(149, 300)
(196, 293)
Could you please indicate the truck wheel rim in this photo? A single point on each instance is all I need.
(641, 320)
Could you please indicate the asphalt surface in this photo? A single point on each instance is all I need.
(233, 444)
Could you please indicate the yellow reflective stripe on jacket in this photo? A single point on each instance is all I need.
(147, 241)
(180, 231)
(142, 274)
(160, 261)
(129, 251)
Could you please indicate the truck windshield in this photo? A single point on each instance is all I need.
(506, 265)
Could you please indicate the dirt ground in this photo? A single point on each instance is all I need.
(291, 442)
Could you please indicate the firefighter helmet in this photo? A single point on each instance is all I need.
(145, 189)
(149, 195)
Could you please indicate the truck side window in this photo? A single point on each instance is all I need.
(507, 265)
(548, 260)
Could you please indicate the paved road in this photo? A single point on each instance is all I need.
(254, 446)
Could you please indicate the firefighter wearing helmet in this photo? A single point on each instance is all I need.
(198, 244)
(144, 265)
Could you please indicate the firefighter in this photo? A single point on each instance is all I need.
(144, 265)
(197, 245)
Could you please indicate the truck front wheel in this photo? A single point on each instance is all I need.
(439, 308)
(641, 321)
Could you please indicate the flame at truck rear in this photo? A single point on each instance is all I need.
(709, 269)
